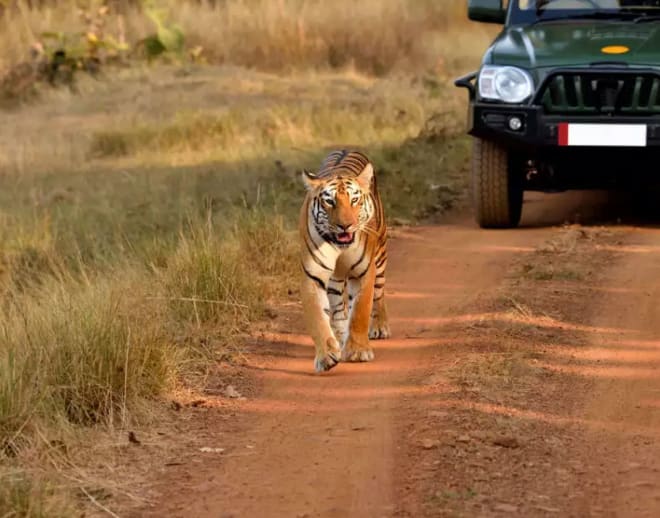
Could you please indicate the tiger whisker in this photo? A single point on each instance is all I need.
(370, 231)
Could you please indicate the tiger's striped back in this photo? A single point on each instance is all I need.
(342, 162)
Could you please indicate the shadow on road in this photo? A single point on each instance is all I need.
(590, 208)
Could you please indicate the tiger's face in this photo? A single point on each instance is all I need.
(340, 206)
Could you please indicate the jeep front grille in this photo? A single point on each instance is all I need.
(599, 92)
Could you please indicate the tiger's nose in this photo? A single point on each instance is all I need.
(343, 227)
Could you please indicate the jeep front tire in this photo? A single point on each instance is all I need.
(496, 186)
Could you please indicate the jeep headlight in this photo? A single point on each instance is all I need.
(507, 84)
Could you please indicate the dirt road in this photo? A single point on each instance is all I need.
(513, 386)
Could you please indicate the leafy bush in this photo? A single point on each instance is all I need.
(168, 38)
(57, 55)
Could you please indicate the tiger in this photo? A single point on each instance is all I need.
(343, 247)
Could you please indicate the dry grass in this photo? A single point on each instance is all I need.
(501, 372)
(30, 497)
(209, 283)
(147, 219)
(562, 255)
(373, 36)
(101, 350)
(265, 241)
(81, 354)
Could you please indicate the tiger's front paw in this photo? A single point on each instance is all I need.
(361, 355)
(326, 361)
(354, 352)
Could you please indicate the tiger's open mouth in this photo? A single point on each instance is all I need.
(344, 238)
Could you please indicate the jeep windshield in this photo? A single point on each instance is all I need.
(538, 11)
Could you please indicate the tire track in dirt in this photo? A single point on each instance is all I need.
(551, 403)
(621, 444)
(335, 445)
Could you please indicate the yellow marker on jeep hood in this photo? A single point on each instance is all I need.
(615, 49)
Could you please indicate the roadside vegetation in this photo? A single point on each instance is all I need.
(149, 191)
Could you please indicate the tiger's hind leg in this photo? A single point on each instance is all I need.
(380, 327)
(338, 309)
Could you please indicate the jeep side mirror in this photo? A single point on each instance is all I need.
(488, 11)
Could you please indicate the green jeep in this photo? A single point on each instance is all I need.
(567, 97)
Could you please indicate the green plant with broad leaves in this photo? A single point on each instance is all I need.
(168, 38)
(66, 52)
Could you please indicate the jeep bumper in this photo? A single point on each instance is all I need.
(530, 127)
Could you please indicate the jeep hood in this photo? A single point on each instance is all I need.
(576, 43)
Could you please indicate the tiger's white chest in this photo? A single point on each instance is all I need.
(353, 260)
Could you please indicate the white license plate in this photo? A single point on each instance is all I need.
(616, 135)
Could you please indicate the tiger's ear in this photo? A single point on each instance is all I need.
(364, 178)
(310, 180)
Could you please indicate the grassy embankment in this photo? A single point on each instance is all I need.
(146, 217)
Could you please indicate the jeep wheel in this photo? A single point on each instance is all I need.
(497, 189)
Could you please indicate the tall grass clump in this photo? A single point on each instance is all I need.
(22, 496)
(266, 242)
(271, 249)
(79, 355)
(26, 253)
(208, 282)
